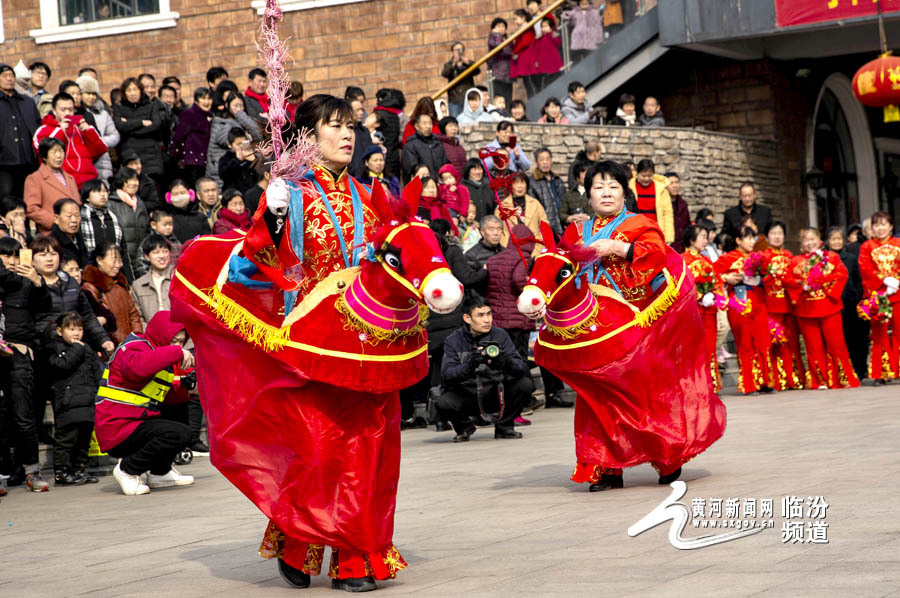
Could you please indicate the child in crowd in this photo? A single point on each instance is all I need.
(233, 213)
(587, 31)
(236, 166)
(625, 114)
(452, 194)
(470, 232)
(75, 372)
(652, 116)
(552, 113)
(150, 292)
(548, 62)
(524, 55)
(162, 223)
(497, 108)
(517, 111)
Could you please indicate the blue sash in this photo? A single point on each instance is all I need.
(604, 233)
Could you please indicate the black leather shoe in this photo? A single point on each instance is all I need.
(442, 427)
(88, 478)
(293, 577)
(507, 434)
(665, 480)
(607, 482)
(558, 401)
(64, 478)
(465, 435)
(354, 584)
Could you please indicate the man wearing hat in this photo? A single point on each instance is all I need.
(18, 122)
(373, 168)
(90, 99)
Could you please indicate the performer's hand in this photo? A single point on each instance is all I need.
(752, 281)
(708, 300)
(187, 359)
(605, 247)
(277, 196)
(733, 278)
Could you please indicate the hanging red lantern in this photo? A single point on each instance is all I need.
(877, 84)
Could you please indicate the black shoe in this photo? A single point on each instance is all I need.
(665, 480)
(293, 577)
(465, 435)
(480, 422)
(555, 400)
(65, 478)
(17, 477)
(607, 482)
(354, 584)
(767, 390)
(534, 403)
(442, 427)
(199, 449)
(413, 423)
(88, 478)
(880, 382)
(510, 434)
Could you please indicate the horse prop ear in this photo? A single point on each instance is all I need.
(411, 194)
(571, 235)
(547, 237)
(380, 202)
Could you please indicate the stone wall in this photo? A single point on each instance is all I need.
(711, 165)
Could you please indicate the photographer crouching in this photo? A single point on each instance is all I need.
(482, 374)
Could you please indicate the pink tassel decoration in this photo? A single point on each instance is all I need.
(291, 158)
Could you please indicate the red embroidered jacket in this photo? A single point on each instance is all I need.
(877, 260)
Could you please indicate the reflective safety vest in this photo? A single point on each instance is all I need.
(149, 397)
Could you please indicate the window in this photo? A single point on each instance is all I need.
(292, 5)
(73, 12)
(63, 20)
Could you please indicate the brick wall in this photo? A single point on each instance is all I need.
(374, 43)
(711, 164)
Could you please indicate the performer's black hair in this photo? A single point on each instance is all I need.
(321, 108)
(604, 168)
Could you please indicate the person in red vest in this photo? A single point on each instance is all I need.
(652, 198)
(82, 141)
(879, 266)
(750, 329)
(786, 357)
(815, 283)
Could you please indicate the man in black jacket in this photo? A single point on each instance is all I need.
(423, 148)
(24, 294)
(478, 358)
(452, 69)
(762, 215)
(19, 120)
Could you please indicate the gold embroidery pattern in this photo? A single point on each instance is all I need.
(886, 258)
(272, 545)
(315, 554)
(393, 561)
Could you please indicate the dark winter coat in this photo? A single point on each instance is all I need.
(22, 301)
(459, 363)
(191, 137)
(146, 141)
(362, 139)
(236, 174)
(456, 153)
(19, 120)
(423, 150)
(71, 248)
(462, 270)
(189, 222)
(549, 190)
(682, 219)
(507, 276)
(66, 295)
(76, 371)
(481, 194)
(388, 113)
(762, 215)
(135, 223)
(481, 252)
(457, 94)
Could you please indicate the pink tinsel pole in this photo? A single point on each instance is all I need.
(290, 158)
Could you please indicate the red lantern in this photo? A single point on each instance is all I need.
(877, 84)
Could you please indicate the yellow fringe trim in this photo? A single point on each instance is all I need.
(374, 334)
(574, 332)
(659, 306)
(249, 327)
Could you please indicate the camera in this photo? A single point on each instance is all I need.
(189, 381)
(490, 349)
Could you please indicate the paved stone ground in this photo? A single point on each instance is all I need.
(501, 518)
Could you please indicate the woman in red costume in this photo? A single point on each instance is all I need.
(879, 265)
(786, 358)
(750, 329)
(614, 308)
(815, 282)
(311, 434)
(708, 285)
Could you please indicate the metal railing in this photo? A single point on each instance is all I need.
(537, 19)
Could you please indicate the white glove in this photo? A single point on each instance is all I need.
(752, 281)
(708, 300)
(891, 283)
(890, 291)
(278, 195)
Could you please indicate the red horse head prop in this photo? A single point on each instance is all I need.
(407, 265)
(552, 282)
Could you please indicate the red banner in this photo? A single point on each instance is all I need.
(789, 13)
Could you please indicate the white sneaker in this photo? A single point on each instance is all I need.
(131, 485)
(172, 478)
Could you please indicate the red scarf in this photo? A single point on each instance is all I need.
(263, 99)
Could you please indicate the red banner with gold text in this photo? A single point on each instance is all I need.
(789, 13)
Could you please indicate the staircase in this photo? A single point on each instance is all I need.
(605, 69)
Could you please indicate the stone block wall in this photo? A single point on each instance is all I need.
(711, 165)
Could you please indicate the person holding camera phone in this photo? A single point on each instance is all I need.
(140, 377)
(452, 69)
(483, 374)
(506, 138)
